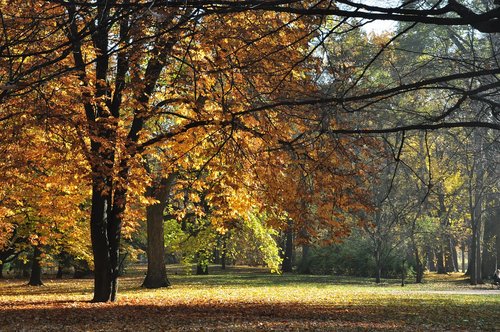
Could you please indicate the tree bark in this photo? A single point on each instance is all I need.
(378, 266)
(99, 239)
(305, 266)
(36, 268)
(287, 265)
(156, 275)
(462, 249)
(420, 267)
(441, 269)
(430, 259)
(223, 256)
(59, 274)
(454, 254)
(491, 236)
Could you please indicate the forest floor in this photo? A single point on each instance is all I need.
(249, 299)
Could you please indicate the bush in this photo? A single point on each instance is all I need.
(354, 257)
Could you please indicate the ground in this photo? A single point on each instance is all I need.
(247, 299)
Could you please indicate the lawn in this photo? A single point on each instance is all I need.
(245, 299)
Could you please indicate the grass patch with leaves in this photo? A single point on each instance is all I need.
(246, 299)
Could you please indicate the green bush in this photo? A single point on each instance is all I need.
(355, 257)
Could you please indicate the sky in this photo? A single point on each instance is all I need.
(380, 26)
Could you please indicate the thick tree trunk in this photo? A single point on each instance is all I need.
(156, 275)
(36, 268)
(287, 265)
(441, 269)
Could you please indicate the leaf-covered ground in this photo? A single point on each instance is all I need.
(247, 300)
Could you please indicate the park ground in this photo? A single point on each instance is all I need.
(248, 299)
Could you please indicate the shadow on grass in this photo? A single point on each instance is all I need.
(78, 316)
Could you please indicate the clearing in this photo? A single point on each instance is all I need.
(247, 299)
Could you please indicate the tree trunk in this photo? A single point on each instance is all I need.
(99, 237)
(223, 255)
(441, 269)
(449, 261)
(378, 267)
(462, 249)
(420, 267)
(106, 222)
(490, 240)
(36, 268)
(59, 274)
(287, 265)
(305, 266)
(454, 255)
(156, 275)
(472, 269)
(1, 270)
(430, 260)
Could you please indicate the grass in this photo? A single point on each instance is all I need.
(247, 299)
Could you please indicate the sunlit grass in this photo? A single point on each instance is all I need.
(248, 299)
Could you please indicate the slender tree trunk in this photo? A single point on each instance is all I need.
(223, 255)
(36, 268)
(305, 266)
(420, 267)
(454, 255)
(287, 265)
(472, 258)
(479, 277)
(449, 261)
(441, 269)
(59, 274)
(490, 239)
(216, 251)
(99, 238)
(378, 266)
(462, 249)
(1, 270)
(115, 231)
(430, 259)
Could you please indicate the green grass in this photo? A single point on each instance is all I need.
(251, 299)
